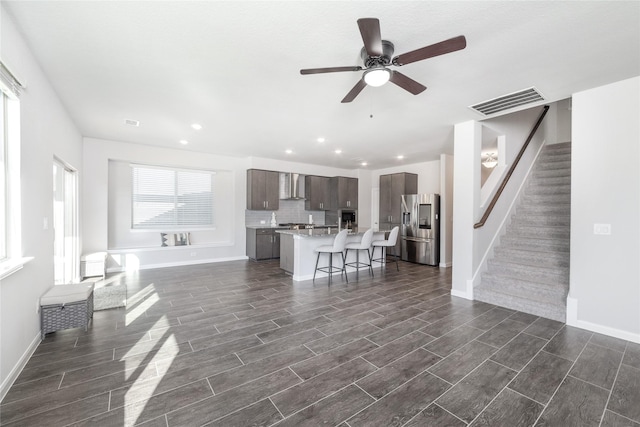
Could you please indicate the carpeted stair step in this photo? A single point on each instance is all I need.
(545, 158)
(538, 209)
(553, 180)
(544, 173)
(532, 232)
(524, 289)
(542, 189)
(540, 274)
(546, 199)
(563, 165)
(549, 308)
(556, 245)
(541, 220)
(530, 256)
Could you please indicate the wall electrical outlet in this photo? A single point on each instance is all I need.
(602, 229)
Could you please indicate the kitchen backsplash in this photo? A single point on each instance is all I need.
(290, 211)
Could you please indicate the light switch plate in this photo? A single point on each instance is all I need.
(602, 229)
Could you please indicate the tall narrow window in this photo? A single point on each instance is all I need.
(10, 234)
(168, 199)
(3, 181)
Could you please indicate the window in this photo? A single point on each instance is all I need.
(3, 181)
(168, 199)
(10, 245)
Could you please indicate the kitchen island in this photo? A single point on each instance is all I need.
(298, 255)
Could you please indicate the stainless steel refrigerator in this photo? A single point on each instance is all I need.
(420, 232)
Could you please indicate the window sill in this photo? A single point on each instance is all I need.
(169, 248)
(11, 265)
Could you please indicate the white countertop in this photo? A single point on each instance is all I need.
(316, 232)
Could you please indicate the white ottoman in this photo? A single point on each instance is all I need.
(66, 306)
(94, 264)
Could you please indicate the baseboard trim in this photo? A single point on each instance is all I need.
(17, 369)
(179, 263)
(445, 264)
(572, 320)
(461, 294)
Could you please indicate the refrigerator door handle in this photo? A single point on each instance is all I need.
(415, 239)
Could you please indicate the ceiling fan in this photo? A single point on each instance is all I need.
(376, 56)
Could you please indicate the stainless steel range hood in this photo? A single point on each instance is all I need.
(291, 186)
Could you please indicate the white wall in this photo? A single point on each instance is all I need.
(446, 210)
(121, 236)
(605, 189)
(46, 131)
(227, 245)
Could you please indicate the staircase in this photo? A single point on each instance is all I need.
(529, 271)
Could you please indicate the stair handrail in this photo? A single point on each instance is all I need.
(505, 180)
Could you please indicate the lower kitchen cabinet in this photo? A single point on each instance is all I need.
(263, 243)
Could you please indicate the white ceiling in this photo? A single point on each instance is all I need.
(234, 68)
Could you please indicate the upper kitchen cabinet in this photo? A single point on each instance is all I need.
(391, 188)
(317, 193)
(344, 192)
(262, 190)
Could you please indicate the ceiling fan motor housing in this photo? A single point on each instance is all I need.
(378, 61)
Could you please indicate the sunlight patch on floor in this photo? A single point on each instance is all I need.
(142, 390)
(146, 298)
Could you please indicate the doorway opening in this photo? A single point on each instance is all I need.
(65, 223)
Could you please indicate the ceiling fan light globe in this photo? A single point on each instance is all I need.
(376, 77)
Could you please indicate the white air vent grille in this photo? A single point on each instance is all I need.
(506, 102)
(130, 122)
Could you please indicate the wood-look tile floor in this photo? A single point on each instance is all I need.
(240, 344)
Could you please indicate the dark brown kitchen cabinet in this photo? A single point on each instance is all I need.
(263, 190)
(263, 243)
(344, 193)
(392, 186)
(317, 193)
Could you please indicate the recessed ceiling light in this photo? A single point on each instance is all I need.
(130, 122)
(338, 151)
(400, 157)
(184, 142)
(363, 164)
(196, 126)
(288, 151)
(321, 139)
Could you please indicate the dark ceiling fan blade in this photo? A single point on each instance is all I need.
(406, 83)
(354, 92)
(370, 31)
(329, 70)
(446, 46)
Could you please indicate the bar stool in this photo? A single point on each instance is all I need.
(363, 245)
(336, 248)
(384, 244)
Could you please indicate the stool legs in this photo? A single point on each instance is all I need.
(383, 257)
(357, 265)
(329, 269)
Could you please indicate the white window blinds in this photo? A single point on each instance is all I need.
(169, 199)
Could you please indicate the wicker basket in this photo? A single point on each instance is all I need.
(65, 316)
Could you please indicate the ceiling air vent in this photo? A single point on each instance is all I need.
(506, 102)
(130, 122)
